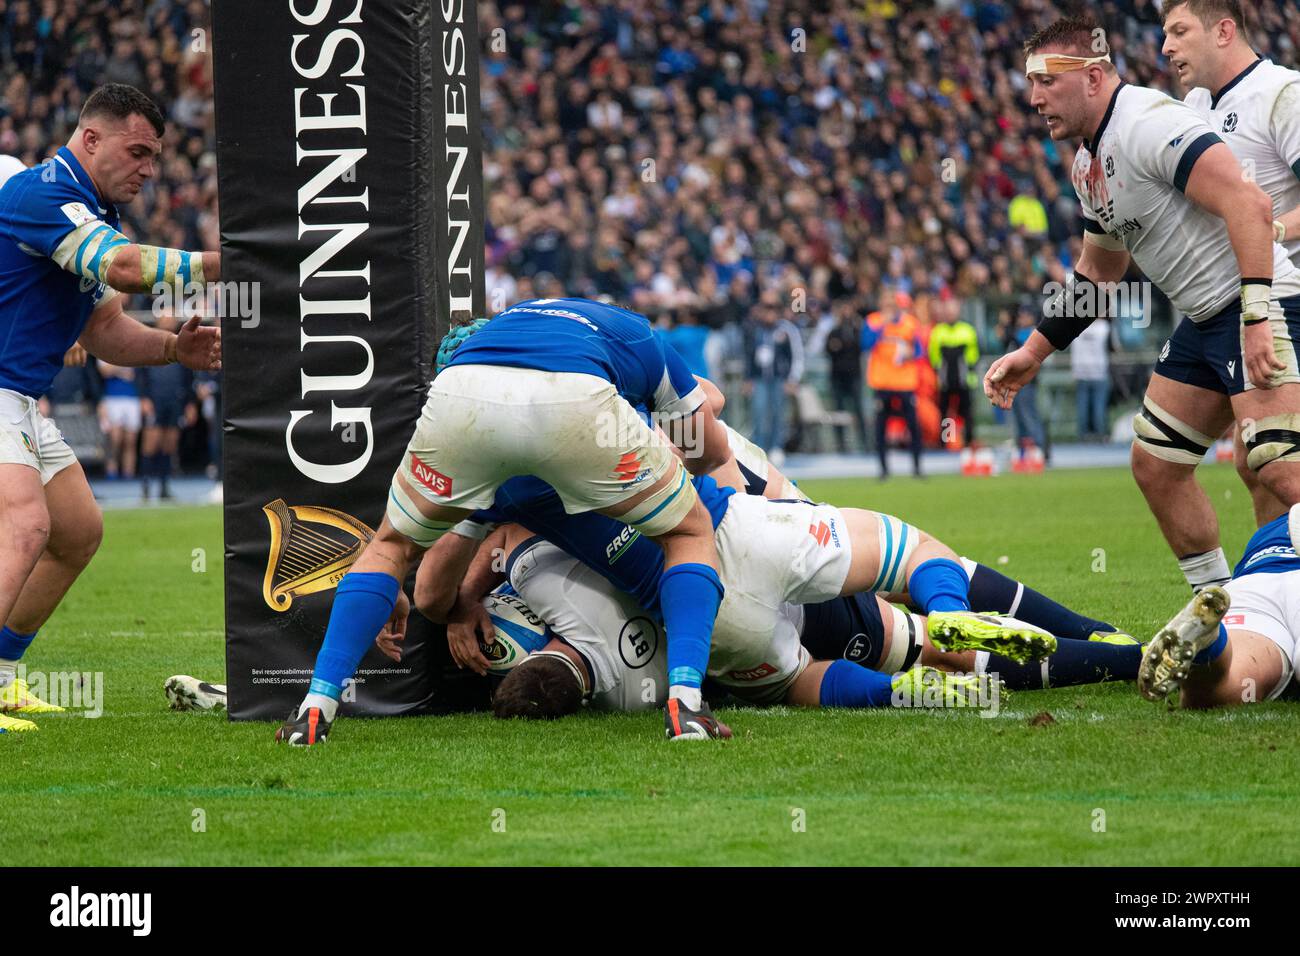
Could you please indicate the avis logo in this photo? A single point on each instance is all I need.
(754, 673)
(431, 478)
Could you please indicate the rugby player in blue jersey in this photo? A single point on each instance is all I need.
(549, 387)
(63, 261)
(1235, 644)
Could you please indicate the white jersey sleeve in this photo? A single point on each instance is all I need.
(1174, 137)
(1284, 124)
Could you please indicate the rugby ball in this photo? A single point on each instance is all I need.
(518, 631)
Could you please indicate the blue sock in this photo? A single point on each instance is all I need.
(14, 645)
(362, 605)
(991, 591)
(1071, 664)
(939, 585)
(845, 684)
(1214, 650)
(689, 595)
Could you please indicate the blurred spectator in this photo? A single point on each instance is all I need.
(842, 345)
(165, 390)
(119, 417)
(892, 339)
(688, 338)
(1029, 424)
(1090, 366)
(774, 368)
(954, 350)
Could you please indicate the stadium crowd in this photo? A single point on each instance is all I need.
(739, 171)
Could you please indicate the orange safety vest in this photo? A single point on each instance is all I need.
(892, 365)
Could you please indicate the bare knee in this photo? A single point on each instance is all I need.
(29, 532)
(1156, 474)
(76, 547)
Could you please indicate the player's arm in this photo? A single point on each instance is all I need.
(1103, 260)
(97, 251)
(1217, 185)
(1284, 132)
(115, 337)
(686, 415)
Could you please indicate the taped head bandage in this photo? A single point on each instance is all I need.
(1052, 64)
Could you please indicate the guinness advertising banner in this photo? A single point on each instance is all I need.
(350, 181)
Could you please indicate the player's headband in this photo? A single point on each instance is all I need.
(561, 656)
(1052, 63)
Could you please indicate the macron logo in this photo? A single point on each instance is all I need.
(74, 909)
(431, 478)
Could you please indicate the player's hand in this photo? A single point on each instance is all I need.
(1262, 363)
(390, 638)
(1008, 375)
(467, 622)
(198, 347)
(75, 357)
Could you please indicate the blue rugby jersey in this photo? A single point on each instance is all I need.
(578, 335)
(1269, 551)
(44, 308)
(629, 560)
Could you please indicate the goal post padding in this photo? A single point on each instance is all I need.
(350, 193)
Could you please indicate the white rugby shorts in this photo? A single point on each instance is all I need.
(1269, 604)
(29, 438)
(484, 424)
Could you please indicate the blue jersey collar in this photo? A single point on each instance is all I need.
(67, 159)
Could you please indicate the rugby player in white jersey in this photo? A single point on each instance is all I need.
(1254, 104)
(1157, 185)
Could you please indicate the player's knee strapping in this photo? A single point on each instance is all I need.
(405, 517)
(666, 508)
(1161, 434)
(1276, 438)
(898, 540)
(906, 641)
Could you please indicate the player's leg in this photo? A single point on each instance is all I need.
(690, 589)
(170, 447)
(1252, 667)
(1173, 432)
(149, 441)
(1249, 656)
(24, 531)
(842, 684)
(76, 529)
(444, 474)
(883, 399)
(1265, 503)
(826, 552)
(1269, 420)
(913, 430)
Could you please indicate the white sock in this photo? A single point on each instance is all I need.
(328, 705)
(8, 672)
(690, 696)
(1202, 570)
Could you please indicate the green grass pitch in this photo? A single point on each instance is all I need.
(883, 788)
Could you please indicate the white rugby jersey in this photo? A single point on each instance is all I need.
(1258, 115)
(1130, 180)
(623, 646)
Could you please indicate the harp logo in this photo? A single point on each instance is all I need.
(311, 549)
